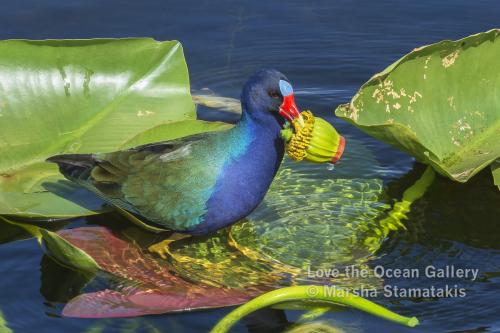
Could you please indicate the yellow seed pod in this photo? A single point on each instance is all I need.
(315, 140)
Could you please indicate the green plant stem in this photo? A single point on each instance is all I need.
(393, 221)
(321, 294)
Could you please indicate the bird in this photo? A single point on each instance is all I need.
(198, 184)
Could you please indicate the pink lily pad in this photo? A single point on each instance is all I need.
(153, 287)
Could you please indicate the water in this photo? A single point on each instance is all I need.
(327, 50)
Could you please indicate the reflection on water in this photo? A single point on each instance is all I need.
(271, 248)
(260, 251)
(453, 225)
(327, 49)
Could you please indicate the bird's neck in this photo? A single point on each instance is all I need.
(261, 145)
(264, 125)
(256, 141)
(254, 151)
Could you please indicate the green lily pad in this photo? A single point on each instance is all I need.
(439, 103)
(80, 96)
(170, 131)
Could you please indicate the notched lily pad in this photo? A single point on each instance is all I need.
(438, 103)
(80, 96)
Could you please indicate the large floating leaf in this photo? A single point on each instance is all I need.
(440, 103)
(76, 96)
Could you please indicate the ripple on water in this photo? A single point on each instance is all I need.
(311, 218)
(453, 225)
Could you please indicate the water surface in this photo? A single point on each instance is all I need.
(327, 49)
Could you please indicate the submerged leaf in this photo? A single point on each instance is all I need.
(76, 96)
(438, 103)
(113, 304)
(150, 286)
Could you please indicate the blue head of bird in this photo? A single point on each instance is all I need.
(268, 97)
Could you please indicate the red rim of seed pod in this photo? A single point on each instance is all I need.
(340, 150)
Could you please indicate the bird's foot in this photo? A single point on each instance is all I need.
(163, 248)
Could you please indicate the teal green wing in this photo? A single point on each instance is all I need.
(168, 182)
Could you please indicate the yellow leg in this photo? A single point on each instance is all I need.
(162, 248)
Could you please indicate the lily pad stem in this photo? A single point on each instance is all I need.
(320, 294)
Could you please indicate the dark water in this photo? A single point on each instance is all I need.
(327, 49)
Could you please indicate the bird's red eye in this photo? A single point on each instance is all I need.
(274, 94)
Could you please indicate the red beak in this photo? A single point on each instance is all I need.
(288, 109)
